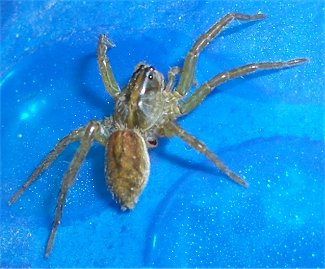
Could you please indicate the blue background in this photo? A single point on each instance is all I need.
(268, 127)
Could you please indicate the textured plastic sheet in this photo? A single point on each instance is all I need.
(268, 127)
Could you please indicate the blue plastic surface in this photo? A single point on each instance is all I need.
(267, 127)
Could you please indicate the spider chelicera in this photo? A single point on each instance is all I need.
(145, 110)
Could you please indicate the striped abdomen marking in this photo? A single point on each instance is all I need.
(127, 166)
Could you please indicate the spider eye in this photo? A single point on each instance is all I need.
(150, 73)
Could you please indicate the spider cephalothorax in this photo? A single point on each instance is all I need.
(145, 110)
(141, 104)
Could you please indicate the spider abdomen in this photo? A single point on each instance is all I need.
(127, 166)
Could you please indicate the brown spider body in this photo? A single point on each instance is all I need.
(145, 110)
(127, 166)
(139, 107)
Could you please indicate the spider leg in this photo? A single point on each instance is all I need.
(70, 176)
(200, 147)
(63, 143)
(190, 61)
(196, 98)
(110, 83)
(172, 73)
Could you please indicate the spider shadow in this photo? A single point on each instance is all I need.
(231, 30)
(97, 158)
(157, 217)
(247, 89)
(85, 73)
(208, 168)
(249, 77)
(163, 206)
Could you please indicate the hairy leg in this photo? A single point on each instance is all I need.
(173, 72)
(199, 146)
(190, 61)
(70, 176)
(110, 83)
(198, 96)
(63, 143)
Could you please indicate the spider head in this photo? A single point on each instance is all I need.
(141, 102)
(146, 79)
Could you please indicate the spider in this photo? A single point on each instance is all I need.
(145, 110)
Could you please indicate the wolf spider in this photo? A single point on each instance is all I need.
(145, 110)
